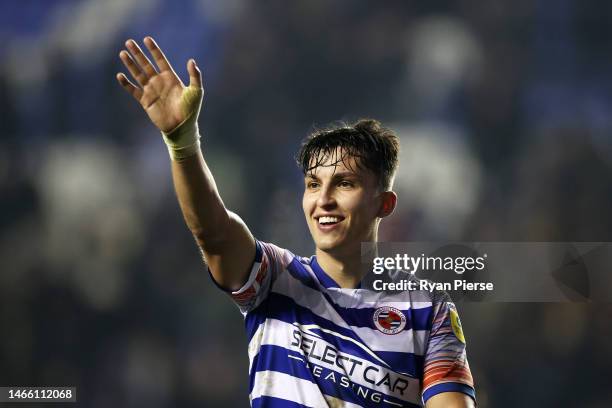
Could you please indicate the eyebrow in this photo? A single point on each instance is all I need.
(337, 175)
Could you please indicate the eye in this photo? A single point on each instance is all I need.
(345, 184)
(312, 184)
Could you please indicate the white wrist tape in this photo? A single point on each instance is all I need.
(184, 140)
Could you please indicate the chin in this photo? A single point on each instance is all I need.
(327, 245)
(332, 246)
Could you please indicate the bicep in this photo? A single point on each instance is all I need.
(450, 400)
(230, 258)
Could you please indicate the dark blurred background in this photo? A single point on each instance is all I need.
(504, 109)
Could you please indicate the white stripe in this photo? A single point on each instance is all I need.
(256, 342)
(392, 403)
(281, 385)
(279, 333)
(365, 298)
(407, 341)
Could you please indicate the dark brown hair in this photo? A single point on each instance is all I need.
(373, 146)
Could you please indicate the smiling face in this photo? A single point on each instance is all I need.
(342, 203)
(348, 171)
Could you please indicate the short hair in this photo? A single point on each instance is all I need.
(374, 146)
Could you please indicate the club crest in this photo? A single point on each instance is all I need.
(389, 320)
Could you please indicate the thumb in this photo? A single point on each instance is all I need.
(195, 75)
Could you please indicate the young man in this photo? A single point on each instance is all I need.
(316, 339)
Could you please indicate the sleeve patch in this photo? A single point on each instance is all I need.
(456, 325)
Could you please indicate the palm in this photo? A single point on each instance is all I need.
(161, 93)
(161, 99)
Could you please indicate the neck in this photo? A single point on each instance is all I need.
(346, 271)
(344, 267)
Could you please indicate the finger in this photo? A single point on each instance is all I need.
(195, 75)
(141, 58)
(158, 55)
(134, 69)
(129, 86)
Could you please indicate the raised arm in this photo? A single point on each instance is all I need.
(227, 244)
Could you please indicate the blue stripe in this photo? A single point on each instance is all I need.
(280, 307)
(416, 319)
(258, 252)
(406, 363)
(273, 402)
(449, 387)
(254, 318)
(323, 277)
(274, 358)
(299, 272)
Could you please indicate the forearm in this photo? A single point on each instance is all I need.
(225, 240)
(197, 193)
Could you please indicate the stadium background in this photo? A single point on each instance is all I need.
(504, 109)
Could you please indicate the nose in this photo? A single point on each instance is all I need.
(326, 198)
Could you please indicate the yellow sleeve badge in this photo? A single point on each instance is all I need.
(456, 325)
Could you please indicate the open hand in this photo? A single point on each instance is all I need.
(160, 91)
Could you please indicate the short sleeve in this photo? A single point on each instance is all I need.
(446, 366)
(269, 261)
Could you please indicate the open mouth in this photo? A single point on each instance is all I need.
(328, 221)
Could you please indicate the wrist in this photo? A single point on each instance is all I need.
(184, 140)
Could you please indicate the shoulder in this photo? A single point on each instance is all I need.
(274, 253)
(279, 259)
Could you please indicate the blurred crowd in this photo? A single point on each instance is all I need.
(504, 110)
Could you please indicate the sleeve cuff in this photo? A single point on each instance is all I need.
(448, 387)
(252, 273)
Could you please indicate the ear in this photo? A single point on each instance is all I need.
(388, 203)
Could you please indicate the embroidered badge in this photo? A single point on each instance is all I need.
(389, 320)
(456, 325)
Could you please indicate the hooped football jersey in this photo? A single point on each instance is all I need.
(314, 344)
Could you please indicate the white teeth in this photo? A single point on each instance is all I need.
(328, 220)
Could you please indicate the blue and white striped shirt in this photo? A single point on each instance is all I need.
(314, 344)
